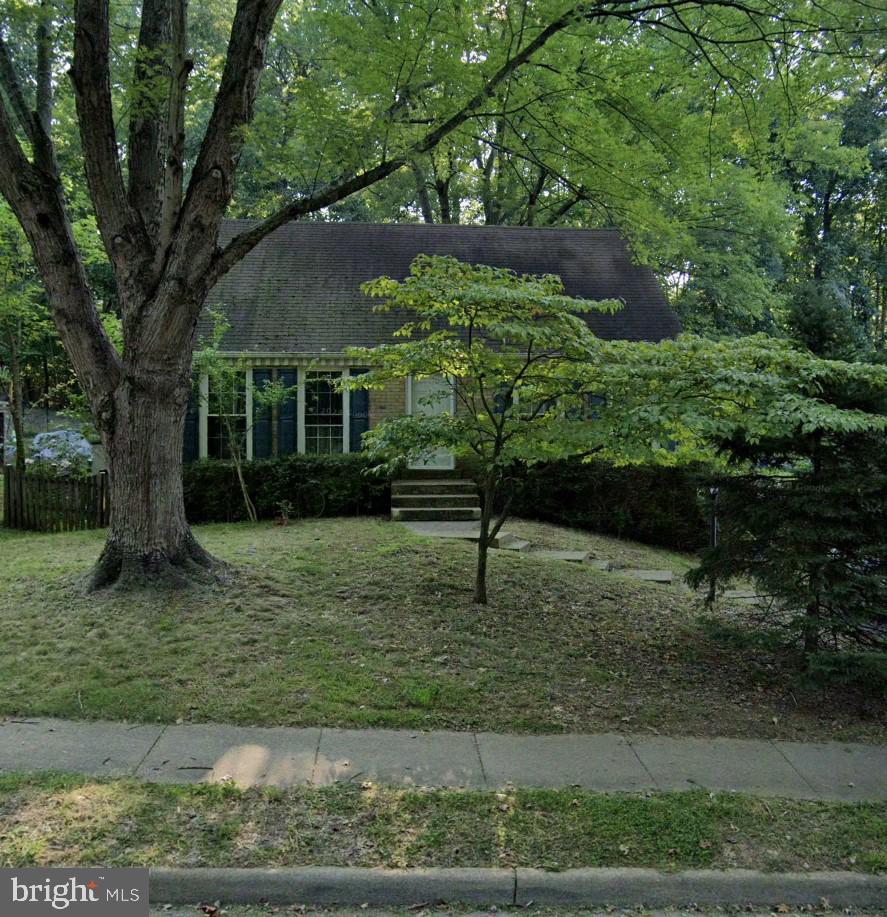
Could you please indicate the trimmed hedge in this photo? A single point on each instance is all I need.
(212, 492)
(655, 505)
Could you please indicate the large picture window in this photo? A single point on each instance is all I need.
(226, 417)
(324, 431)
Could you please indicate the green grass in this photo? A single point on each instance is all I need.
(52, 820)
(359, 622)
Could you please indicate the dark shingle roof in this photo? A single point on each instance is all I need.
(298, 291)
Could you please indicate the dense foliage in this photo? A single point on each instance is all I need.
(293, 486)
(648, 503)
(808, 524)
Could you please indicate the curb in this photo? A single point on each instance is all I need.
(353, 886)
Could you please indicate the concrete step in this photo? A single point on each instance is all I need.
(437, 513)
(424, 474)
(434, 499)
(434, 485)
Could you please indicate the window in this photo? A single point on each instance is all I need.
(226, 417)
(324, 431)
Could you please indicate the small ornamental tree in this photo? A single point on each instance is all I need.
(509, 348)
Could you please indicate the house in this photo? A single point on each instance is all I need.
(294, 305)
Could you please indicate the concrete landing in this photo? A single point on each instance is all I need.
(282, 757)
(466, 531)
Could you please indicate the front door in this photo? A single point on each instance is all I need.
(431, 395)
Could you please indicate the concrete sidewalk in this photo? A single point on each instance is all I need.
(253, 756)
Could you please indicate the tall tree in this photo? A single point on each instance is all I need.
(836, 163)
(159, 208)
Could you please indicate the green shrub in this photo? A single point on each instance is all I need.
(654, 505)
(866, 671)
(814, 539)
(212, 493)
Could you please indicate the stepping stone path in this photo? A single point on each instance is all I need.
(505, 541)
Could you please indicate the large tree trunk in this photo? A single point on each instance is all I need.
(149, 540)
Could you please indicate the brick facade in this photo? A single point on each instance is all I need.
(388, 402)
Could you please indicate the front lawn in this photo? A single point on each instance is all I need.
(359, 622)
(54, 820)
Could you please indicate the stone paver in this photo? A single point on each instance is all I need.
(650, 576)
(466, 531)
(507, 542)
(248, 756)
(254, 756)
(721, 764)
(104, 749)
(444, 529)
(599, 762)
(576, 557)
(848, 771)
(444, 759)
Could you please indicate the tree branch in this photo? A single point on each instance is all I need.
(185, 271)
(35, 197)
(146, 142)
(123, 233)
(13, 89)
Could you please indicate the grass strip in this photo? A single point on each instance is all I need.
(55, 819)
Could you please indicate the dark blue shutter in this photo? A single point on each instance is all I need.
(191, 439)
(359, 416)
(262, 445)
(287, 415)
(592, 403)
(502, 402)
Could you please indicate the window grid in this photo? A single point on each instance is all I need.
(226, 408)
(324, 414)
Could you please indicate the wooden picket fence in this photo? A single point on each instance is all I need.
(61, 504)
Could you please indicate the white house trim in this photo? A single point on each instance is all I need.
(203, 422)
(249, 414)
(300, 411)
(346, 414)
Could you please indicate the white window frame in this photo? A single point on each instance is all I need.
(203, 420)
(302, 368)
(204, 415)
(342, 372)
(249, 414)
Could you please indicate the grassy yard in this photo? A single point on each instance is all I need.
(359, 622)
(52, 820)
